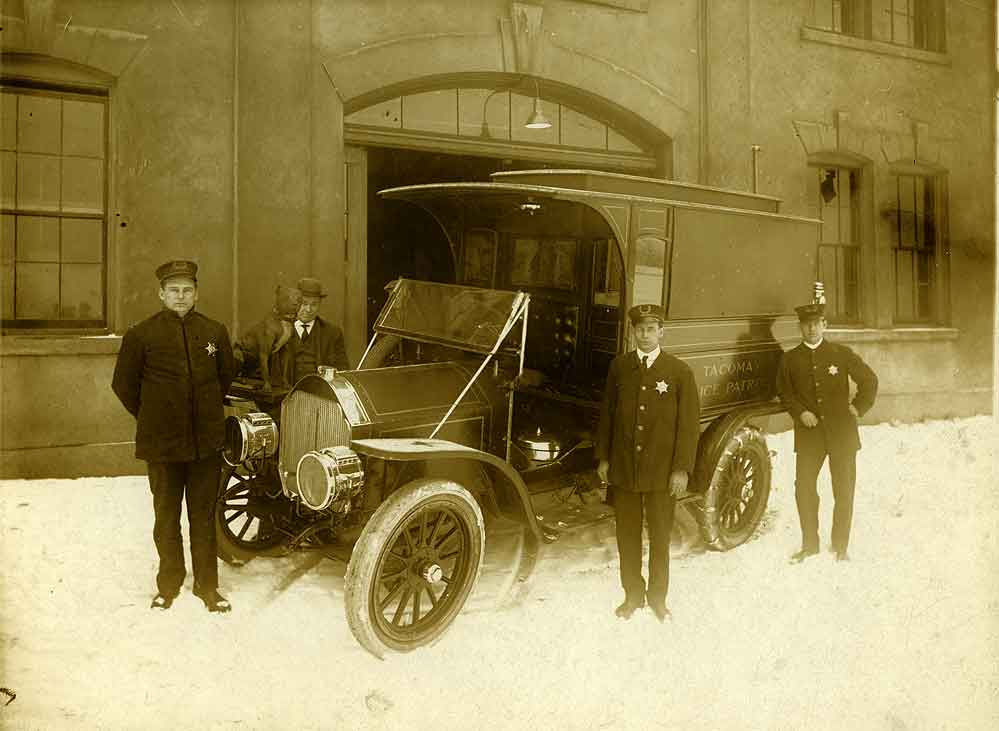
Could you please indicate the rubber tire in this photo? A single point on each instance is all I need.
(378, 536)
(227, 546)
(750, 442)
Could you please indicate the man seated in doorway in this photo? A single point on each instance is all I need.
(315, 342)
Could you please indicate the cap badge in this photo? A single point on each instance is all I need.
(662, 386)
(212, 350)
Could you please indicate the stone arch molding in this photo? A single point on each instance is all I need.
(520, 46)
(45, 39)
(914, 148)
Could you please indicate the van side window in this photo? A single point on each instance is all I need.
(605, 320)
(650, 270)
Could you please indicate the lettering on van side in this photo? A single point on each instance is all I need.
(738, 367)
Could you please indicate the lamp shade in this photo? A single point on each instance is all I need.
(537, 120)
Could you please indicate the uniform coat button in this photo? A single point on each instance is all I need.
(639, 447)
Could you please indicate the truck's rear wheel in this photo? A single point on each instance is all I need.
(414, 566)
(738, 490)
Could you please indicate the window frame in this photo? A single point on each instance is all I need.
(937, 281)
(927, 22)
(845, 317)
(865, 230)
(854, 16)
(76, 89)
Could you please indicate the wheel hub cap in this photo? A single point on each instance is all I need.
(432, 573)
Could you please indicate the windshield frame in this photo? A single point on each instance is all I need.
(501, 308)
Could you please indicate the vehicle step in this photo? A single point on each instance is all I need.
(570, 515)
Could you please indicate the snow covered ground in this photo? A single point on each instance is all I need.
(905, 636)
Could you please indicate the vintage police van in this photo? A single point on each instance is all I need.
(475, 405)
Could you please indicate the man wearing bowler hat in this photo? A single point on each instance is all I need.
(813, 382)
(316, 342)
(646, 446)
(172, 372)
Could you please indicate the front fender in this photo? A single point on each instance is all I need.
(411, 449)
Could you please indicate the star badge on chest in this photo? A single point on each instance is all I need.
(212, 350)
(833, 370)
(662, 386)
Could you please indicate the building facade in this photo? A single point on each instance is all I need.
(251, 136)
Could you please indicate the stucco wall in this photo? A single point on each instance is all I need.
(60, 418)
(170, 196)
(172, 146)
(227, 142)
(764, 83)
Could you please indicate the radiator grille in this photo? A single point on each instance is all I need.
(310, 422)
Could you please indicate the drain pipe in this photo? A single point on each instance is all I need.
(756, 168)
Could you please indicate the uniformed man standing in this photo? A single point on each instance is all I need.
(813, 382)
(172, 372)
(316, 342)
(646, 444)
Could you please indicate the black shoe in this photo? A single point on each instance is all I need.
(628, 607)
(659, 609)
(803, 554)
(215, 602)
(842, 555)
(162, 601)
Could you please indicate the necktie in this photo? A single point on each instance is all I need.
(645, 362)
(305, 331)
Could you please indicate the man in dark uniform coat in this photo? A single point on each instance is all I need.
(315, 342)
(172, 372)
(813, 382)
(646, 444)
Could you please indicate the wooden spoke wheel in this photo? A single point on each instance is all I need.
(414, 566)
(738, 491)
(245, 515)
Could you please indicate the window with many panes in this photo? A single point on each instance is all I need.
(911, 23)
(837, 197)
(912, 226)
(839, 16)
(54, 148)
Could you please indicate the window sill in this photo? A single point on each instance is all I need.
(817, 35)
(17, 345)
(894, 335)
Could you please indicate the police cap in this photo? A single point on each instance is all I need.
(177, 268)
(646, 312)
(811, 311)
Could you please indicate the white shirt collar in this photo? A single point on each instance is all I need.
(302, 328)
(813, 347)
(651, 356)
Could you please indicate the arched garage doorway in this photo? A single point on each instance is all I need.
(465, 127)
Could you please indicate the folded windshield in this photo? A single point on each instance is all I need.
(469, 318)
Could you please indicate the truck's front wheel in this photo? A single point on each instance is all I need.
(245, 516)
(414, 566)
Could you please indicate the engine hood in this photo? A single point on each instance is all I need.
(402, 392)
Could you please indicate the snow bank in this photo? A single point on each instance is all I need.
(904, 636)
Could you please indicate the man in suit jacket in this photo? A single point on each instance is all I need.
(813, 382)
(315, 342)
(172, 372)
(646, 446)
